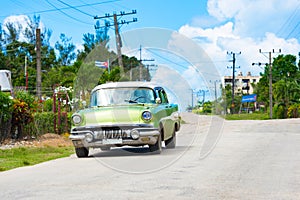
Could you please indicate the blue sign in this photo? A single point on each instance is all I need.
(249, 98)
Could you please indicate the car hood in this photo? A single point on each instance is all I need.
(108, 115)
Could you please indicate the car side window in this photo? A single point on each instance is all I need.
(163, 96)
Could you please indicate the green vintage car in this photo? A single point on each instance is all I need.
(126, 113)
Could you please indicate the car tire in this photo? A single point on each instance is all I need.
(157, 147)
(105, 148)
(171, 143)
(82, 152)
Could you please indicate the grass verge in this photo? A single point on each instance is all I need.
(25, 156)
(252, 116)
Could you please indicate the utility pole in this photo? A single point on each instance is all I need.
(38, 64)
(192, 99)
(233, 78)
(117, 33)
(26, 74)
(150, 69)
(216, 94)
(118, 44)
(141, 65)
(270, 79)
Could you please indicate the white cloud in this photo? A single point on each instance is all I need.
(223, 10)
(79, 47)
(245, 26)
(254, 17)
(211, 34)
(19, 20)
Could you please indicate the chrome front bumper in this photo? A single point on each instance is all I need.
(96, 137)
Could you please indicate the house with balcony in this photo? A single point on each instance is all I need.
(242, 82)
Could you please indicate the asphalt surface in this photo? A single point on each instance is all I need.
(214, 159)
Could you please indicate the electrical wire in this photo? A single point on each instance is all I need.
(64, 8)
(73, 7)
(293, 30)
(64, 13)
(289, 21)
(90, 7)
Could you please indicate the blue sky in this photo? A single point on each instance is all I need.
(248, 23)
(74, 22)
(218, 26)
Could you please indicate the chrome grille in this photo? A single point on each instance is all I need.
(113, 133)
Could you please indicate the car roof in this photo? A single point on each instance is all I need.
(126, 84)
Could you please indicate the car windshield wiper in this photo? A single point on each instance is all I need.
(130, 101)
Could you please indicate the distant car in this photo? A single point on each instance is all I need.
(5, 81)
(125, 113)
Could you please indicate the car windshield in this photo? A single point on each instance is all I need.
(121, 96)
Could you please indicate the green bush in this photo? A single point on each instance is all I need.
(5, 115)
(47, 105)
(44, 123)
(19, 117)
(279, 111)
(5, 106)
(293, 111)
(24, 105)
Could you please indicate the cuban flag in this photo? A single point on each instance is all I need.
(101, 64)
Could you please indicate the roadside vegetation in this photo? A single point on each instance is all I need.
(246, 116)
(286, 95)
(26, 156)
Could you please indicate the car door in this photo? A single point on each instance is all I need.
(165, 110)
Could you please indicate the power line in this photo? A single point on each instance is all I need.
(289, 20)
(60, 10)
(117, 34)
(181, 65)
(91, 8)
(73, 7)
(293, 30)
(287, 23)
(65, 8)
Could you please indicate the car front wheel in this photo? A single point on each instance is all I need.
(171, 143)
(157, 147)
(82, 152)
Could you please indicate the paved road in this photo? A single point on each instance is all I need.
(214, 159)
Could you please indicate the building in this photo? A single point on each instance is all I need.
(242, 83)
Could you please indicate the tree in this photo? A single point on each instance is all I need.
(30, 31)
(100, 38)
(12, 33)
(285, 79)
(284, 66)
(66, 50)
(227, 99)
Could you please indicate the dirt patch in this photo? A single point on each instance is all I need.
(54, 140)
(46, 140)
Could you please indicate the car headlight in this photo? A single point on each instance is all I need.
(89, 137)
(135, 134)
(146, 115)
(76, 119)
(176, 115)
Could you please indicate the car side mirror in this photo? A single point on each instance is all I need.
(158, 100)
